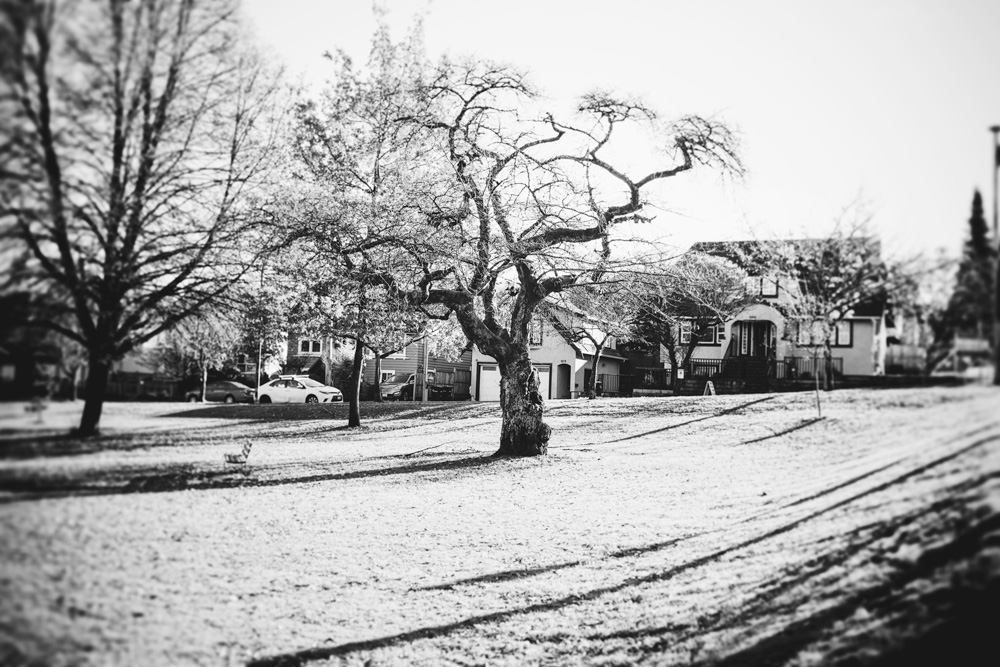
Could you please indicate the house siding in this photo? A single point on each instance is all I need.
(553, 351)
(402, 368)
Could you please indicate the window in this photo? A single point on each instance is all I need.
(843, 334)
(310, 346)
(809, 333)
(387, 376)
(685, 334)
(768, 286)
(535, 332)
(400, 354)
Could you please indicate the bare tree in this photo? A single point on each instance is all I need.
(489, 203)
(679, 303)
(831, 277)
(600, 314)
(131, 130)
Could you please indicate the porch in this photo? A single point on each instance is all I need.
(736, 375)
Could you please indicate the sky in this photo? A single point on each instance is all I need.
(885, 101)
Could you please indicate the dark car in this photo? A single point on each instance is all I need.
(226, 391)
(403, 391)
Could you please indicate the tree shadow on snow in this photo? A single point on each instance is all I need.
(777, 648)
(188, 478)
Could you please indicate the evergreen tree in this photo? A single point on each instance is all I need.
(970, 309)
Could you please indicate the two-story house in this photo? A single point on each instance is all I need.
(761, 331)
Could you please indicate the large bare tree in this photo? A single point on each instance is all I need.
(130, 132)
(489, 203)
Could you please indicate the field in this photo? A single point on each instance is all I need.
(723, 530)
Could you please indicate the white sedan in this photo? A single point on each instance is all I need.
(297, 389)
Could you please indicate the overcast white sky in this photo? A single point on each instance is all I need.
(892, 98)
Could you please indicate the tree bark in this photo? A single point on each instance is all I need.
(354, 392)
(827, 367)
(97, 386)
(523, 432)
(592, 389)
(378, 377)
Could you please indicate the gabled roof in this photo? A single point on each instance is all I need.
(582, 346)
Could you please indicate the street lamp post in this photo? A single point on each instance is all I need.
(996, 259)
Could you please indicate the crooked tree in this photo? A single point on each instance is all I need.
(488, 203)
(130, 132)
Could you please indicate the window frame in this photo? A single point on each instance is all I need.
(535, 327)
(684, 333)
(837, 331)
(770, 281)
(310, 346)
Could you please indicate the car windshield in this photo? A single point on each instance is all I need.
(311, 383)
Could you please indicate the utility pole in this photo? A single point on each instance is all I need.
(996, 258)
(260, 330)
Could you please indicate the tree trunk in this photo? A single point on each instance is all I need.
(523, 432)
(354, 391)
(819, 408)
(204, 382)
(672, 356)
(378, 377)
(592, 389)
(97, 386)
(827, 367)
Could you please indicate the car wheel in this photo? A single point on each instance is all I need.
(192, 399)
(311, 399)
(230, 399)
(264, 399)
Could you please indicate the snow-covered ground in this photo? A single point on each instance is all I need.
(724, 530)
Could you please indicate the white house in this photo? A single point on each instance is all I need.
(564, 365)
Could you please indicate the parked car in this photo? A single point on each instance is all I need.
(403, 391)
(226, 391)
(297, 389)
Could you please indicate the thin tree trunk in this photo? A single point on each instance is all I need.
(819, 410)
(827, 367)
(592, 389)
(97, 386)
(204, 381)
(354, 391)
(378, 377)
(523, 432)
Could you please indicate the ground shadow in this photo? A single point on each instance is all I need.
(188, 478)
(963, 546)
(644, 434)
(295, 411)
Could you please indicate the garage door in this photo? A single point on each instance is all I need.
(489, 381)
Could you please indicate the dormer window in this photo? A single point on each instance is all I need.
(310, 346)
(768, 286)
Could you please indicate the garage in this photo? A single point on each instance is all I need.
(489, 381)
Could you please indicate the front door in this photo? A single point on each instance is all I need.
(756, 338)
(563, 373)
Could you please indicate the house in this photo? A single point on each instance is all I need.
(413, 359)
(563, 361)
(312, 355)
(761, 333)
